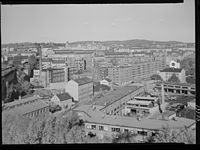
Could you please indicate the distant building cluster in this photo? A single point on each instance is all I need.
(65, 78)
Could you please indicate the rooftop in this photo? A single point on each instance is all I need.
(113, 96)
(139, 102)
(171, 70)
(144, 98)
(168, 113)
(73, 51)
(82, 81)
(22, 101)
(24, 109)
(95, 116)
(63, 96)
(178, 84)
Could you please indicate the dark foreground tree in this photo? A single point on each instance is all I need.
(174, 79)
(168, 135)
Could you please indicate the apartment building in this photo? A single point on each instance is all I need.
(100, 72)
(144, 69)
(51, 76)
(120, 75)
(80, 89)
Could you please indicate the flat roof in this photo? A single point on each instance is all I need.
(113, 96)
(178, 84)
(148, 98)
(97, 117)
(82, 81)
(139, 102)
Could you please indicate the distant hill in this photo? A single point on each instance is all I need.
(125, 44)
(137, 43)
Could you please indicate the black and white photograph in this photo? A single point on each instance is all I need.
(98, 73)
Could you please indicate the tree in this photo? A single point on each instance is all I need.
(13, 128)
(168, 135)
(125, 137)
(174, 78)
(156, 77)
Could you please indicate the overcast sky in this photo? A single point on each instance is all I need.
(61, 23)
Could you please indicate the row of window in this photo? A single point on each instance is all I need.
(114, 129)
(36, 113)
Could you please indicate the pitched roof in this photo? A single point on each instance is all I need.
(27, 108)
(107, 79)
(82, 81)
(63, 96)
(113, 96)
(171, 70)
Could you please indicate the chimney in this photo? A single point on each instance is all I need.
(162, 94)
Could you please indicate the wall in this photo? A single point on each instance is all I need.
(85, 91)
(108, 129)
(58, 85)
(72, 89)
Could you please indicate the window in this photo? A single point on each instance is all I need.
(115, 129)
(88, 126)
(142, 133)
(126, 130)
(93, 127)
(101, 128)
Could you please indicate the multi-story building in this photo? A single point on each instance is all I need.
(145, 69)
(53, 78)
(80, 89)
(120, 75)
(100, 72)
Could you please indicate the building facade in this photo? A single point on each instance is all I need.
(167, 73)
(120, 75)
(80, 89)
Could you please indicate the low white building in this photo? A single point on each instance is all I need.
(64, 100)
(80, 89)
(106, 82)
(168, 72)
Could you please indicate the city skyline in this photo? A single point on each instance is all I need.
(102, 22)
